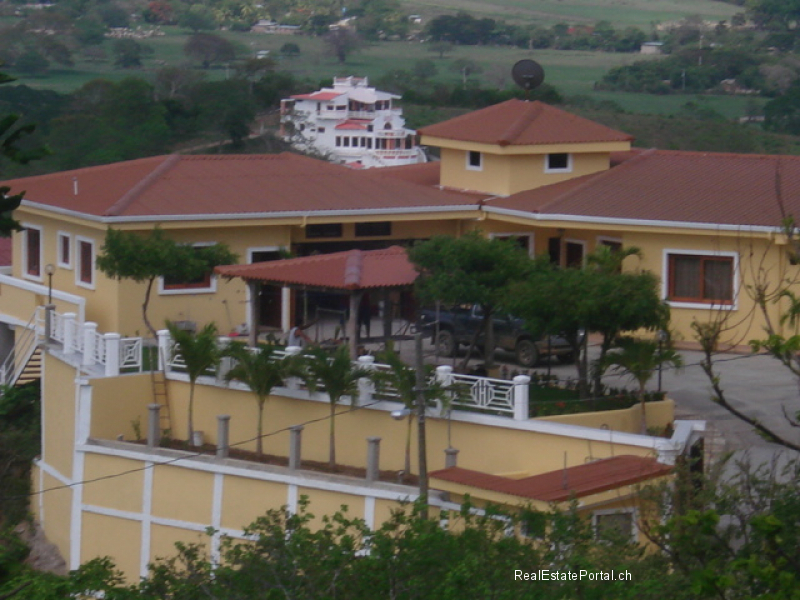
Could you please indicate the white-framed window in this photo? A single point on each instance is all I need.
(84, 262)
(700, 279)
(205, 284)
(610, 242)
(64, 250)
(32, 252)
(523, 239)
(474, 160)
(615, 523)
(558, 162)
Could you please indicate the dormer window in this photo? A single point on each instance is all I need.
(558, 162)
(474, 161)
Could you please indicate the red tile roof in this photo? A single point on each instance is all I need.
(673, 186)
(359, 124)
(213, 185)
(561, 485)
(522, 123)
(349, 270)
(320, 96)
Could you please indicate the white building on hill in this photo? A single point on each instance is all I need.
(350, 123)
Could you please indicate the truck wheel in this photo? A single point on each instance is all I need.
(527, 353)
(447, 343)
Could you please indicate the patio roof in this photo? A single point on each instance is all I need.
(350, 270)
(561, 485)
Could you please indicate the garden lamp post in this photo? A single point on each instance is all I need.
(661, 337)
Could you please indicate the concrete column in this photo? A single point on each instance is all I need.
(295, 446)
(255, 303)
(450, 457)
(223, 341)
(112, 342)
(352, 324)
(153, 425)
(286, 309)
(89, 332)
(373, 458)
(293, 383)
(49, 315)
(521, 397)
(68, 322)
(366, 387)
(223, 429)
(444, 376)
(164, 342)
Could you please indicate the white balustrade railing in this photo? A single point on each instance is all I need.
(485, 395)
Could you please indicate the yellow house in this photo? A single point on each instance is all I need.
(708, 225)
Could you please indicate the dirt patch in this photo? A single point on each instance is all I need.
(44, 556)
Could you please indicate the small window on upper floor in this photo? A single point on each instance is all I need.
(64, 250)
(474, 161)
(85, 256)
(378, 228)
(32, 252)
(558, 162)
(324, 230)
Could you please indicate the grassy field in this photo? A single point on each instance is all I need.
(572, 73)
(641, 13)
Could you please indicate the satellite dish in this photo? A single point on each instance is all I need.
(528, 74)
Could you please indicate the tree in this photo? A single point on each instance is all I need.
(341, 42)
(32, 62)
(639, 359)
(208, 49)
(226, 106)
(336, 374)
(200, 352)
(290, 50)
(12, 148)
(128, 53)
(262, 371)
(198, 18)
(440, 48)
(471, 269)
(143, 258)
(401, 379)
(467, 67)
(424, 69)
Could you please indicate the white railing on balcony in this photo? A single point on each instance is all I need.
(391, 133)
(484, 395)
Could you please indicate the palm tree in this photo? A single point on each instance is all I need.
(401, 378)
(200, 352)
(261, 371)
(336, 373)
(639, 359)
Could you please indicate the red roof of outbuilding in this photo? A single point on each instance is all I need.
(359, 124)
(349, 270)
(676, 186)
(523, 123)
(561, 485)
(231, 185)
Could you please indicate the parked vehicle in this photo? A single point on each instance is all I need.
(457, 327)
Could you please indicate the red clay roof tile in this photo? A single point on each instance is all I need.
(351, 270)
(522, 123)
(226, 185)
(561, 485)
(695, 187)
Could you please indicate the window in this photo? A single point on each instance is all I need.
(574, 251)
(474, 161)
(324, 230)
(700, 278)
(338, 140)
(84, 255)
(374, 229)
(523, 240)
(614, 524)
(32, 248)
(202, 283)
(533, 524)
(559, 162)
(64, 250)
(320, 130)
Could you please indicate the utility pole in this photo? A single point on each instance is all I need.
(421, 440)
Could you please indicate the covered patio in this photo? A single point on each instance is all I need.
(356, 275)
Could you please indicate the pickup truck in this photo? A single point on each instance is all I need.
(457, 326)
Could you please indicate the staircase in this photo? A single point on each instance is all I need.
(24, 363)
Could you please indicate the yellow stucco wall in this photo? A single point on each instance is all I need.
(56, 512)
(170, 486)
(658, 414)
(118, 538)
(118, 404)
(58, 399)
(106, 492)
(245, 500)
